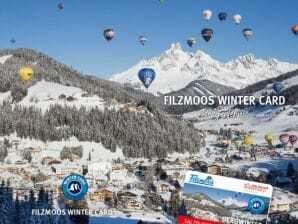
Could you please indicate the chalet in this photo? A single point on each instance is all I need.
(53, 162)
(163, 186)
(104, 194)
(174, 175)
(214, 169)
(74, 157)
(118, 175)
(62, 97)
(15, 169)
(97, 179)
(130, 200)
(281, 207)
(95, 167)
(63, 170)
(70, 99)
(225, 171)
(46, 160)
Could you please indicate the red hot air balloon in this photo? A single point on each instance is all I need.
(284, 139)
(293, 139)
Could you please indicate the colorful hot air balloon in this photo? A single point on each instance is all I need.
(109, 34)
(237, 19)
(247, 33)
(284, 139)
(207, 34)
(295, 29)
(146, 75)
(238, 142)
(143, 39)
(248, 140)
(269, 138)
(278, 87)
(293, 139)
(26, 74)
(207, 14)
(191, 41)
(222, 16)
(61, 6)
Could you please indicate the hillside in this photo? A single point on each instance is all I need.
(46, 68)
(289, 80)
(61, 103)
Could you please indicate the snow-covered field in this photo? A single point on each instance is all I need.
(43, 94)
(261, 121)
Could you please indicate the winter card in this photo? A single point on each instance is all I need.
(211, 199)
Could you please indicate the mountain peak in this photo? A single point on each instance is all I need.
(175, 46)
(175, 69)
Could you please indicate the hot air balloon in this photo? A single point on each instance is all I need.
(109, 34)
(284, 139)
(26, 74)
(143, 39)
(248, 140)
(269, 138)
(12, 41)
(191, 41)
(238, 142)
(207, 33)
(247, 33)
(161, 1)
(207, 14)
(278, 87)
(222, 16)
(295, 29)
(61, 6)
(146, 75)
(293, 139)
(237, 19)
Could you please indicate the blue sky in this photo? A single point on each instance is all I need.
(74, 36)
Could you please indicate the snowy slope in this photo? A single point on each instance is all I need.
(4, 58)
(262, 121)
(176, 69)
(43, 94)
(229, 202)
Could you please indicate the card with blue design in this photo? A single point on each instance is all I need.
(212, 199)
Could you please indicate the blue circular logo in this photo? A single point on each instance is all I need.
(74, 187)
(256, 205)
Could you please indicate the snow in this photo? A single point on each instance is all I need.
(4, 58)
(268, 119)
(98, 152)
(4, 96)
(175, 69)
(232, 201)
(44, 94)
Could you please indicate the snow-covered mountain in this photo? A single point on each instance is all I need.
(233, 203)
(176, 69)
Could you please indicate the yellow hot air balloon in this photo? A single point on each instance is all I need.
(248, 140)
(26, 74)
(269, 138)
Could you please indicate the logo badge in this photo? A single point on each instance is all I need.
(74, 187)
(256, 205)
